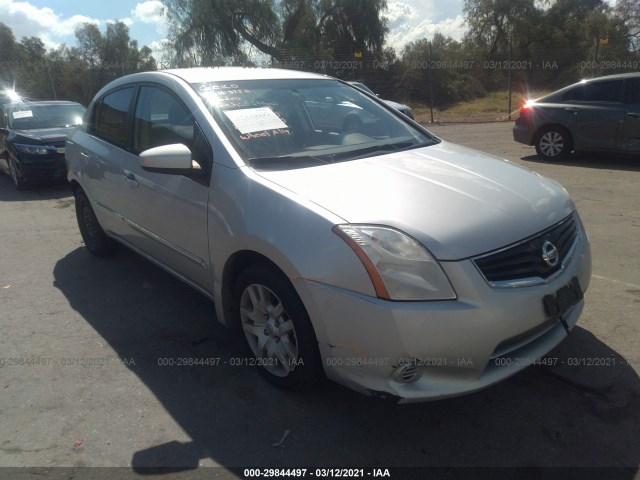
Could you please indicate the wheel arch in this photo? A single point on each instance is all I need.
(75, 186)
(234, 266)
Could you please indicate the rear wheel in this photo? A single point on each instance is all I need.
(96, 241)
(553, 143)
(276, 327)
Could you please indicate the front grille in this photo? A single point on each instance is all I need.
(525, 259)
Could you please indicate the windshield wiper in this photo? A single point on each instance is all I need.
(379, 149)
(300, 160)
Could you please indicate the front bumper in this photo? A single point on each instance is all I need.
(42, 167)
(453, 347)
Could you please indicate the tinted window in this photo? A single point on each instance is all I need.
(633, 90)
(3, 123)
(161, 119)
(111, 116)
(606, 91)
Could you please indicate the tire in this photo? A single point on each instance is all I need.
(553, 143)
(17, 179)
(352, 124)
(96, 241)
(276, 327)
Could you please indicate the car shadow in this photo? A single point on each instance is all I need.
(607, 161)
(57, 190)
(567, 415)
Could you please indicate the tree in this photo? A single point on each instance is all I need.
(628, 11)
(210, 32)
(8, 59)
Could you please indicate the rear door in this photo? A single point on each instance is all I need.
(167, 213)
(631, 132)
(100, 149)
(594, 112)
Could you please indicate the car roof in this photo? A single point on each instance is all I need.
(218, 74)
(618, 76)
(614, 77)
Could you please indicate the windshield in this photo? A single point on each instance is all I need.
(29, 117)
(296, 123)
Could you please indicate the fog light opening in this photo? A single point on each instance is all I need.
(409, 373)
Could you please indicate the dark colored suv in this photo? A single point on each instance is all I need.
(32, 139)
(597, 114)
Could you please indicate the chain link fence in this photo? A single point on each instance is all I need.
(440, 87)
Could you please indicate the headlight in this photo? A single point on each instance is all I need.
(400, 268)
(31, 149)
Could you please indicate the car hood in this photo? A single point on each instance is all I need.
(40, 136)
(456, 201)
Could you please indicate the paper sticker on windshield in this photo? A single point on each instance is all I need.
(23, 114)
(249, 120)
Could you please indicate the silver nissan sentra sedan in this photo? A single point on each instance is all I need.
(364, 249)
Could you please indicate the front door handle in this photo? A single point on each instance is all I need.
(633, 114)
(573, 110)
(130, 178)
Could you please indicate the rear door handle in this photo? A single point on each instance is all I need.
(633, 114)
(130, 178)
(573, 110)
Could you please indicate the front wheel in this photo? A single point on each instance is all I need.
(96, 241)
(553, 143)
(17, 179)
(277, 328)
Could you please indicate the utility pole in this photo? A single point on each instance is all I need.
(430, 84)
(509, 75)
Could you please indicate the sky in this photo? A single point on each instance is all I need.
(56, 21)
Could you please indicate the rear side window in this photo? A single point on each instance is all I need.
(605, 91)
(111, 116)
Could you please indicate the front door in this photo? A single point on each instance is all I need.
(167, 213)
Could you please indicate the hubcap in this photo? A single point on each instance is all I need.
(269, 330)
(551, 144)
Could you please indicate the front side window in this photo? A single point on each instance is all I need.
(111, 116)
(161, 119)
(293, 123)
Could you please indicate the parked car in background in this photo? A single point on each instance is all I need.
(337, 113)
(398, 106)
(32, 139)
(600, 114)
(393, 262)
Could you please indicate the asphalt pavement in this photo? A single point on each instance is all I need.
(85, 381)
